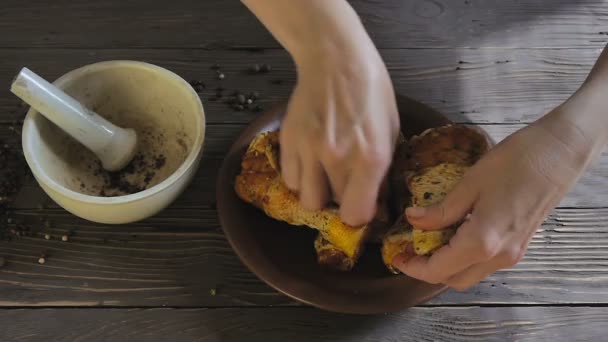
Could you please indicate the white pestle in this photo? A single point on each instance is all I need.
(113, 145)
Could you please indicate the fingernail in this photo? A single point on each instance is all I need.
(415, 212)
(399, 260)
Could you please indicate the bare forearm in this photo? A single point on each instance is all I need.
(582, 120)
(306, 27)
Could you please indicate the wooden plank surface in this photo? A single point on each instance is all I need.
(468, 85)
(499, 64)
(280, 324)
(227, 24)
(178, 257)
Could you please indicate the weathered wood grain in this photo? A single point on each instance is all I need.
(281, 324)
(175, 258)
(178, 257)
(470, 85)
(497, 63)
(228, 24)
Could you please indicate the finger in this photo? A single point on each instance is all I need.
(314, 192)
(452, 209)
(290, 160)
(447, 261)
(337, 180)
(336, 165)
(360, 195)
(334, 152)
(473, 275)
(511, 254)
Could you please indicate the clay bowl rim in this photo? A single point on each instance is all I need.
(197, 146)
(261, 265)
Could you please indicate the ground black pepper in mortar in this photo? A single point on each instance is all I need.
(123, 182)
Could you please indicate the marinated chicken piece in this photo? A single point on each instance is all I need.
(432, 184)
(436, 161)
(260, 184)
(329, 256)
(455, 144)
(398, 240)
(428, 187)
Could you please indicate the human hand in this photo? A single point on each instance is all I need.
(341, 124)
(506, 196)
(339, 132)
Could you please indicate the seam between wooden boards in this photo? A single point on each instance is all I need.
(280, 307)
(254, 48)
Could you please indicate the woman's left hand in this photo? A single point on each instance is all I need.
(506, 196)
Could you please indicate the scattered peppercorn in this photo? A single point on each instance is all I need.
(265, 68)
(198, 86)
(240, 98)
(254, 68)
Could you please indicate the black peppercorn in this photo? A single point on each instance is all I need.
(254, 69)
(265, 68)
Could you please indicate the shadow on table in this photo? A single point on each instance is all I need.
(438, 61)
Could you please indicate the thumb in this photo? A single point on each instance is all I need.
(452, 209)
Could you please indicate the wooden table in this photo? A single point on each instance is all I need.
(499, 64)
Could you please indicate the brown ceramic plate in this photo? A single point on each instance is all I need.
(284, 257)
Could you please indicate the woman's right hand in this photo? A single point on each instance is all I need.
(338, 136)
(340, 131)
